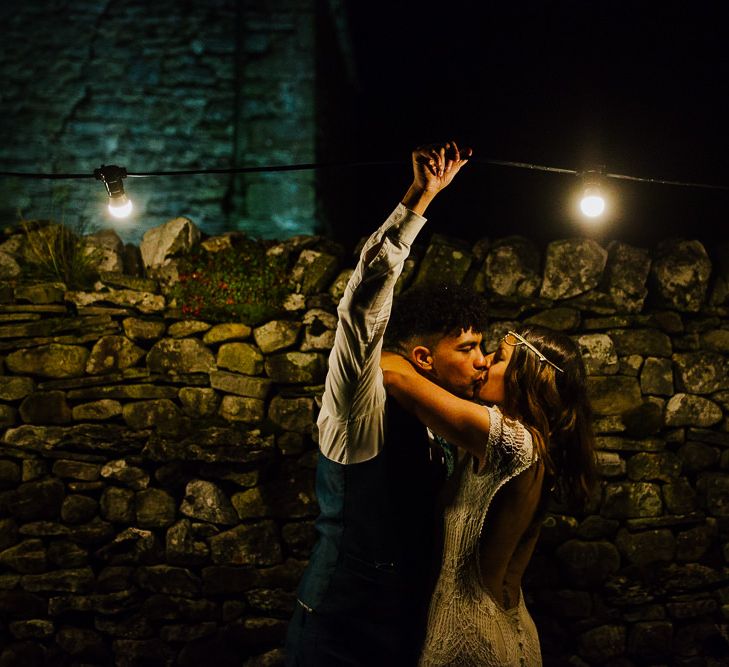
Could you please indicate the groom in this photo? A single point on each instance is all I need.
(364, 595)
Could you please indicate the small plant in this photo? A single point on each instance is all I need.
(55, 252)
(243, 283)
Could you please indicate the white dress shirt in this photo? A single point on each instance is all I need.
(351, 421)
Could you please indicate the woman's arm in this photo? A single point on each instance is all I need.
(461, 422)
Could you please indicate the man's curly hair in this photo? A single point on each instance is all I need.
(426, 313)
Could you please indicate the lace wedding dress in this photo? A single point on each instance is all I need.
(466, 626)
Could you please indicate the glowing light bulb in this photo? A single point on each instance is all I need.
(592, 204)
(119, 208)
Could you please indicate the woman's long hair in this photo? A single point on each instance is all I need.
(554, 406)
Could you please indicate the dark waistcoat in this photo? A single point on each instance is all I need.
(374, 552)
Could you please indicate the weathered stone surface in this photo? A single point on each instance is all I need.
(692, 544)
(97, 410)
(127, 391)
(155, 508)
(37, 500)
(680, 274)
(656, 377)
(645, 419)
(598, 353)
(714, 488)
(336, 289)
(159, 244)
(8, 416)
(242, 385)
(559, 319)
(127, 281)
(9, 267)
(626, 274)
(627, 500)
(199, 401)
(206, 502)
(603, 642)
(36, 628)
(144, 302)
(187, 328)
(78, 509)
(229, 331)
(42, 293)
(276, 335)
(588, 563)
(52, 361)
(320, 326)
(679, 496)
(254, 544)
(646, 547)
(212, 445)
(313, 271)
(701, 372)
(642, 342)
(182, 548)
(73, 580)
(242, 409)
(612, 395)
(250, 504)
(136, 329)
(132, 476)
(168, 580)
(610, 464)
(296, 367)
(241, 358)
(46, 407)
(82, 644)
(665, 467)
(117, 505)
(445, 261)
(177, 356)
(13, 388)
(292, 414)
(111, 353)
(299, 538)
(651, 641)
(9, 474)
(105, 250)
(27, 557)
(689, 410)
(572, 267)
(511, 268)
(716, 340)
(147, 414)
(698, 456)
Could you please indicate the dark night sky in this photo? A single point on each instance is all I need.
(640, 87)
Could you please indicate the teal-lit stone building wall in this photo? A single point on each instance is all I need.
(165, 86)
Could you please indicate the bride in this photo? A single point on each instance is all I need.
(532, 438)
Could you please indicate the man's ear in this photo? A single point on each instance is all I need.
(422, 358)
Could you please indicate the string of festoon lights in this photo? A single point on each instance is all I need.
(592, 203)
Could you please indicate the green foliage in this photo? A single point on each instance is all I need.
(239, 284)
(55, 252)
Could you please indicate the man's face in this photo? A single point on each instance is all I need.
(458, 364)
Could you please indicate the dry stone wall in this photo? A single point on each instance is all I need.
(156, 471)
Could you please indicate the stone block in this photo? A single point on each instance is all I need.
(205, 501)
(240, 357)
(572, 267)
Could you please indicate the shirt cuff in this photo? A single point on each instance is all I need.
(408, 222)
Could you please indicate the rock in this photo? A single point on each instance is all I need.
(9, 474)
(120, 280)
(73, 580)
(679, 497)
(159, 244)
(178, 356)
(76, 470)
(37, 500)
(97, 410)
(40, 294)
(644, 419)
(689, 410)
(251, 544)
(105, 249)
(187, 328)
(9, 267)
(511, 269)
(665, 467)
(168, 580)
(276, 335)
(145, 414)
(155, 508)
(78, 509)
(8, 416)
(320, 326)
(181, 546)
(648, 547)
(656, 377)
(46, 407)
(111, 353)
(559, 319)
(137, 329)
(610, 464)
(642, 342)
(206, 502)
(445, 261)
(242, 409)
(598, 353)
(117, 505)
(626, 275)
(222, 333)
(697, 456)
(624, 500)
(336, 289)
(14, 388)
(250, 504)
(701, 372)
(242, 385)
(612, 395)
(692, 544)
(296, 367)
(199, 402)
(83, 644)
(144, 302)
(602, 643)
(25, 558)
(241, 358)
(292, 414)
(572, 267)
(680, 274)
(66, 554)
(51, 361)
(36, 628)
(588, 563)
(313, 271)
